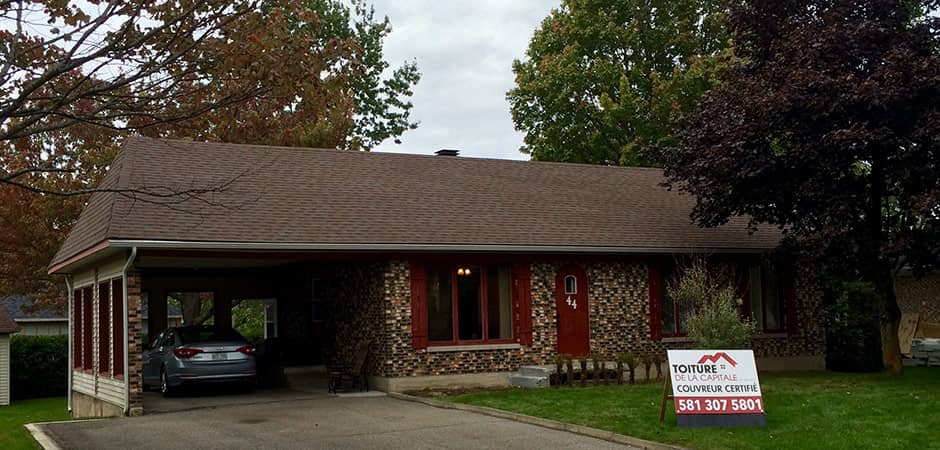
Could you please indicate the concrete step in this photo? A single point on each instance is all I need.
(535, 371)
(525, 381)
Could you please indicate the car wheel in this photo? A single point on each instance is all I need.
(165, 388)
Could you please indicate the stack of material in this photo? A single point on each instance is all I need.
(924, 352)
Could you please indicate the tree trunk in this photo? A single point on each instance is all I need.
(890, 323)
(878, 271)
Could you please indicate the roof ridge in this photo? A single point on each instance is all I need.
(403, 155)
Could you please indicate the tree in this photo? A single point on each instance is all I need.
(602, 80)
(828, 129)
(75, 81)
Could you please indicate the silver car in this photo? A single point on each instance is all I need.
(202, 354)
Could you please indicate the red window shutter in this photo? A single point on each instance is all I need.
(104, 327)
(77, 328)
(656, 301)
(790, 305)
(522, 293)
(419, 305)
(117, 321)
(87, 318)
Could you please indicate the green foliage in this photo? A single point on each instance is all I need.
(248, 318)
(715, 321)
(38, 366)
(603, 80)
(853, 329)
(383, 103)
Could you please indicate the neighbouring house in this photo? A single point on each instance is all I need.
(455, 271)
(7, 327)
(44, 321)
(33, 320)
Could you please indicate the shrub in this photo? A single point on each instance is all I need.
(715, 320)
(853, 328)
(38, 366)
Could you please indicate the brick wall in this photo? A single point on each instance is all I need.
(920, 296)
(134, 350)
(618, 300)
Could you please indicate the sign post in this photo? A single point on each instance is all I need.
(715, 388)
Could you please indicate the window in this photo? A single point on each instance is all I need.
(104, 327)
(674, 314)
(469, 303)
(766, 298)
(117, 326)
(571, 284)
(763, 291)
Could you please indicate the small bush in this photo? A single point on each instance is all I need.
(715, 320)
(38, 366)
(853, 329)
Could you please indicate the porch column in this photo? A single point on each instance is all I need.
(156, 312)
(223, 309)
(134, 350)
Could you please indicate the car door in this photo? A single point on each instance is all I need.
(153, 358)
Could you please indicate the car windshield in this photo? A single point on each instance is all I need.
(207, 334)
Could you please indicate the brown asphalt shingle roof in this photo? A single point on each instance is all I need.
(318, 196)
(7, 325)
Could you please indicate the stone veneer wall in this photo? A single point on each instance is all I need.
(920, 296)
(618, 299)
(360, 311)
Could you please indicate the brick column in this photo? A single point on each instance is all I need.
(134, 349)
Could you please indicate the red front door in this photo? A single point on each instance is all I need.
(571, 305)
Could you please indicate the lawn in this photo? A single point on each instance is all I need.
(13, 434)
(804, 410)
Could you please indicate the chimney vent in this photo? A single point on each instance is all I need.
(447, 152)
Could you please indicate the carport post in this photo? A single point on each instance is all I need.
(156, 312)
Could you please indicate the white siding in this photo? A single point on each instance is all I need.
(98, 383)
(4, 369)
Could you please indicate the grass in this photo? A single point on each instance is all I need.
(804, 410)
(13, 434)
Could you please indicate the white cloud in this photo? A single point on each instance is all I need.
(464, 51)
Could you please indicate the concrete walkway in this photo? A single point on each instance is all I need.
(327, 422)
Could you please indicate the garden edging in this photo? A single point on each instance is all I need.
(609, 436)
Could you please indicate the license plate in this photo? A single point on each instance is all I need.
(219, 356)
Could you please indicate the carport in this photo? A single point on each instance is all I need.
(318, 304)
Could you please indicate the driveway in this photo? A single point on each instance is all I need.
(329, 422)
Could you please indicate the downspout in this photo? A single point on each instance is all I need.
(69, 364)
(127, 377)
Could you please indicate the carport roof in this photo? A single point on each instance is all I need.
(289, 198)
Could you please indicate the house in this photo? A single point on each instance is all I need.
(39, 321)
(32, 320)
(454, 270)
(7, 327)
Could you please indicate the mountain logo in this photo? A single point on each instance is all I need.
(717, 356)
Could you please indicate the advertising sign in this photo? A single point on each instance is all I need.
(715, 388)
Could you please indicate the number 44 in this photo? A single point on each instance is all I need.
(573, 303)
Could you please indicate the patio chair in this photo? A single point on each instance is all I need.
(351, 376)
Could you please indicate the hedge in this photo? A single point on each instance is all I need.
(38, 366)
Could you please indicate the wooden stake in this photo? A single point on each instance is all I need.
(667, 395)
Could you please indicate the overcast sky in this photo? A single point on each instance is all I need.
(464, 51)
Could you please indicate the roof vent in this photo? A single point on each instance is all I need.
(447, 152)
